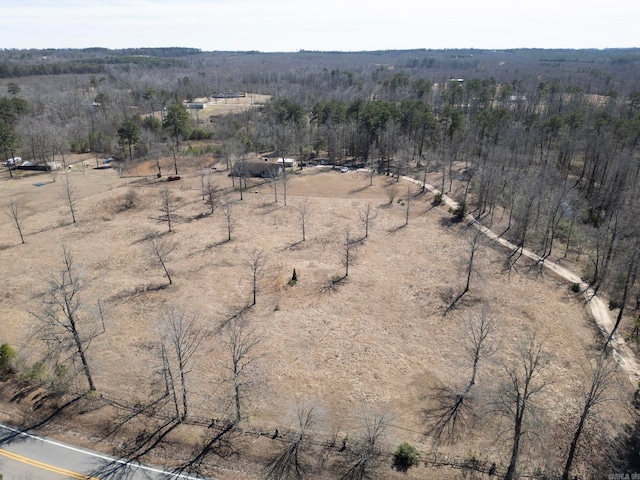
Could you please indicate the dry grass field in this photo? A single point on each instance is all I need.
(375, 341)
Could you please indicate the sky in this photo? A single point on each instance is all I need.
(321, 25)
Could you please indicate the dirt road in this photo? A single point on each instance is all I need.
(599, 310)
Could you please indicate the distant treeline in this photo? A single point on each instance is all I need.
(25, 63)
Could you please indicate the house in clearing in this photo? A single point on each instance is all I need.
(287, 162)
(256, 169)
(196, 105)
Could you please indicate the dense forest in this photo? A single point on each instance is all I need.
(548, 139)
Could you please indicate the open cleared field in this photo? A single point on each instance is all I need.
(377, 340)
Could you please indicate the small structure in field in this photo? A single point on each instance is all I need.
(256, 169)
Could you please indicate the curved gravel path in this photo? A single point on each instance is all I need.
(599, 310)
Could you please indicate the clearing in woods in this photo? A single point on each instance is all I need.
(376, 340)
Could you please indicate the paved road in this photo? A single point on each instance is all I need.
(30, 456)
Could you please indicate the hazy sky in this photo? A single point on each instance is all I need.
(345, 25)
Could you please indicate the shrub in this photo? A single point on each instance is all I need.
(80, 146)
(152, 123)
(294, 278)
(7, 354)
(129, 199)
(200, 134)
(405, 457)
(437, 198)
(37, 373)
(461, 210)
(60, 380)
(200, 150)
(575, 287)
(126, 201)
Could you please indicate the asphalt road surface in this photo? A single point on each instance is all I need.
(28, 456)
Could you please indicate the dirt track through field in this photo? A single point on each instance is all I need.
(623, 355)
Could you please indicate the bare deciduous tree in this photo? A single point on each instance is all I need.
(348, 251)
(274, 183)
(303, 214)
(69, 193)
(67, 324)
(630, 269)
(407, 205)
(287, 464)
(515, 400)
(167, 206)
(180, 337)
(159, 250)
(227, 210)
(242, 341)
(367, 216)
(600, 379)
(367, 449)
(14, 210)
(475, 242)
(425, 167)
(454, 409)
(285, 181)
(372, 165)
(210, 193)
(256, 262)
(392, 192)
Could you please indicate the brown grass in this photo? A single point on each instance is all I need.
(376, 340)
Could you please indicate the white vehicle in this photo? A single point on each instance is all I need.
(344, 169)
(12, 161)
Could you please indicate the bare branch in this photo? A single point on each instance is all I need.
(241, 341)
(367, 215)
(69, 193)
(256, 262)
(66, 326)
(303, 214)
(167, 206)
(182, 335)
(14, 211)
(159, 250)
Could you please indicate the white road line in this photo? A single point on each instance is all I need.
(101, 456)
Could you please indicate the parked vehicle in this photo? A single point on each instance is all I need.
(12, 161)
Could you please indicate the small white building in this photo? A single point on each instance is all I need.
(287, 162)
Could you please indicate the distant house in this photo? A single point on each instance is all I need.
(288, 162)
(196, 106)
(229, 94)
(256, 169)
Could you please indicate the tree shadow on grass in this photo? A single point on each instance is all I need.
(394, 230)
(334, 284)
(239, 312)
(294, 246)
(218, 243)
(451, 416)
(148, 410)
(136, 292)
(6, 247)
(270, 207)
(133, 451)
(427, 210)
(38, 423)
(221, 445)
(198, 216)
(358, 190)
